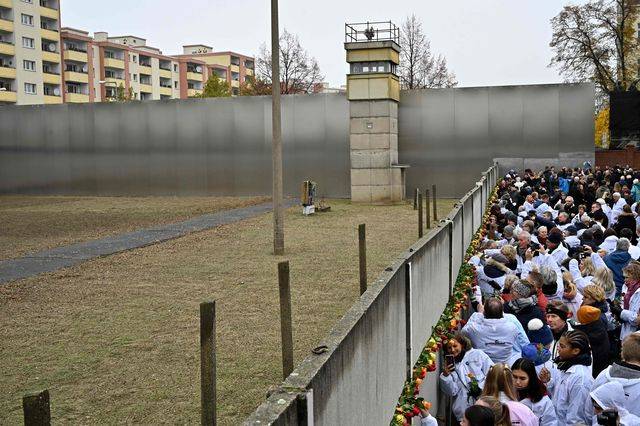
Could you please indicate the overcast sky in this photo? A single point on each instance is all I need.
(486, 43)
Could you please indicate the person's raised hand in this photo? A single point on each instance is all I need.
(545, 375)
(528, 255)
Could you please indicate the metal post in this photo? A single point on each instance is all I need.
(407, 318)
(450, 257)
(473, 213)
(415, 199)
(278, 214)
(420, 225)
(362, 251)
(463, 239)
(435, 203)
(36, 408)
(286, 331)
(208, 363)
(428, 207)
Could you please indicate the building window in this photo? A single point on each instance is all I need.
(29, 65)
(30, 88)
(28, 1)
(28, 42)
(175, 84)
(135, 77)
(175, 68)
(134, 58)
(27, 20)
(109, 74)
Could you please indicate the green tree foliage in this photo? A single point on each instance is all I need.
(124, 95)
(216, 88)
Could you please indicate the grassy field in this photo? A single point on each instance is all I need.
(32, 223)
(115, 340)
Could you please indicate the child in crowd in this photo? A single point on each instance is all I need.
(570, 381)
(532, 392)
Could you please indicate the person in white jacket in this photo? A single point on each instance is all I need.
(570, 381)
(532, 392)
(610, 396)
(494, 334)
(629, 312)
(625, 372)
(455, 380)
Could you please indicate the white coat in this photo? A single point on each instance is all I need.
(569, 392)
(499, 338)
(629, 317)
(544, 410)
(630, 381)
(457, 383)
(610, 396)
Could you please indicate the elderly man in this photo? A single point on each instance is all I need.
(494, 334)
(524, 243)
(618, 205)
(569, 207)
(556, 249)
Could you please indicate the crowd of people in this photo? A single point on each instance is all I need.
(554, 337)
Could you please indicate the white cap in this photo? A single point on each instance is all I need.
(600, 201)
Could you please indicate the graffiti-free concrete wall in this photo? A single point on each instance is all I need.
(223, 146)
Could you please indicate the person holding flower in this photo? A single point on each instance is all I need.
(463, 377)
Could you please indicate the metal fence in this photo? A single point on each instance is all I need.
(374, 346)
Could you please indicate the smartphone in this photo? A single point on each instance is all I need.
(450, 361)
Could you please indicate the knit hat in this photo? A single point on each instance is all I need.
(508, 231)
(588, 314)
(555, 237)
(536, 353)
(558, 312)
(600, 201)
(521, 289)
(539, 332)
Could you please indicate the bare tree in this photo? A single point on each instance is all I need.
(597, 42)
(299, 72)
(419, 68)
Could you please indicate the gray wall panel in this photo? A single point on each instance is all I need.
(223, 146)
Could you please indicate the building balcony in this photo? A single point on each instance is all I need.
(6, 26)
(6, 96)
(76, 77)
(48, 12)
(117, 81)
(7, 49)
(51, 57)
(50, 79)
(77, 98)
(194, 76)
(6, 72)
(234, 68)
(193, 92)
(144, 69)
(49, 100)
(6, 3)
(146, 88)
(72, 55)
(50, 34)
(114, 63)
(166, 91)
(165, 73)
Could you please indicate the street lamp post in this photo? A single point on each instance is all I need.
(278, 214)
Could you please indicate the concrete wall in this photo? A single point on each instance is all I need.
(359, 378)
(223, 146)
(447, 136)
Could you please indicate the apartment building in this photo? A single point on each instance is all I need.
(230, 66)
(42, 63)
(30, 55)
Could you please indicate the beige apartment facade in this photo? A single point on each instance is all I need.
(30, 52)
(44, 63)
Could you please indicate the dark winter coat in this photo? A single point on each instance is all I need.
(599, 342)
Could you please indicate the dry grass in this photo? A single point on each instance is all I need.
(33, 223)
(116, 339)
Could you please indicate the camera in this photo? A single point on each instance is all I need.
(608, 417)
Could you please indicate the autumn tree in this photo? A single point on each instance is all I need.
(124, 95)
(419, 67)
(597, 42)
(215, 88)
(299, 72)
(253, 86)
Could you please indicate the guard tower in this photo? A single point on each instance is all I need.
(373, 90)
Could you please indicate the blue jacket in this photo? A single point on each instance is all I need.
(564, 184)
(615, 261)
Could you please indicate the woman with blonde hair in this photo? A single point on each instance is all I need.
(571, 296)
(629, 312)
(499, 384)
(603, 278)
(500, 410)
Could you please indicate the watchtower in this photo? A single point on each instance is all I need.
(373, 90)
